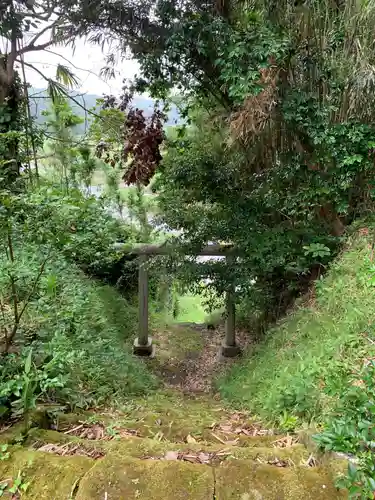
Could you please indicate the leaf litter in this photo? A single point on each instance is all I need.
(69, 449)
(98, 432)
(194, 457)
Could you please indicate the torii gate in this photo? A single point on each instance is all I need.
(143, 345)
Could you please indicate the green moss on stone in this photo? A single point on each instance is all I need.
(244, 480)
(146, 479)
(138, 448)
(13, 434)
(51, 477)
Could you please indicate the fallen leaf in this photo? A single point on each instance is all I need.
(171, 455)
(278, 462)
(204, 458)
(190, 458)
(218, 438)
(190, 439)
(234, 442)
(226, 428)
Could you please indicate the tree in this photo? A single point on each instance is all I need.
(107, 125)
(175, 41)
(60, 123)
(72, 156)
(142, 138)
(23, 27)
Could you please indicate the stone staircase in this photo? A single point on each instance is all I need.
(166, 448)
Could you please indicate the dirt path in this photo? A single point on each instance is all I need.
(187, 356)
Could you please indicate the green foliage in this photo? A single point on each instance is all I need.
(72, 161)
(139, 208)
(351, 431)
(75, 326)
(17, 486)
(306, 362)
(79, 225)
(272, 217)
(253, 46)
(107, 125)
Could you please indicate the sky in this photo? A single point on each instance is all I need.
(85, 61)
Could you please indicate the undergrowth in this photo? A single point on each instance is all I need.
(305, 364)
(66, 338)
(80, 332)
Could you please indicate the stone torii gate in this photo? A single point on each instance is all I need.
(143, 345)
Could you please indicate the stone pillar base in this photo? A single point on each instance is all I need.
(230, 351)
(144, 350)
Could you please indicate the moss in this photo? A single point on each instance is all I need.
(50, 476)
(296, 454)
(137, 448)
(245, 480)
(170, 413)
(49, 436)
(146, 479)
(13, 434)
(121, 474)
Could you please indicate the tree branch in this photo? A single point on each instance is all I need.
(49, 80)
(36, 38)
(32, 48)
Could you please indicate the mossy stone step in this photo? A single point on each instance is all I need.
(128, 479)
(137, 447)
(50, 477)
(246, 480)
(117, 477)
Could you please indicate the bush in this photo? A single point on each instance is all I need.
(81, 226)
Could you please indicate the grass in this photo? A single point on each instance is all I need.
(305, 363)
(191, 309)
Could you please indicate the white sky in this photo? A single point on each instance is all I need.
(85, 62)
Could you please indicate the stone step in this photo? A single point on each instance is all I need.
(136, 447)
(176, 423)
(120, 477)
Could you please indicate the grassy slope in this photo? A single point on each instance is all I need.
(85, 324)
(305, 362)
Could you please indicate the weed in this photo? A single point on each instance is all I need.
(19, 485)
(351, 431)
(15, 486)
(112, 431)
(288, 422)
(4, 453)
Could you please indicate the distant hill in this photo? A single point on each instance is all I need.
(40, 101)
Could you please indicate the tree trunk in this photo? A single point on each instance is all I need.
(10, 112)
